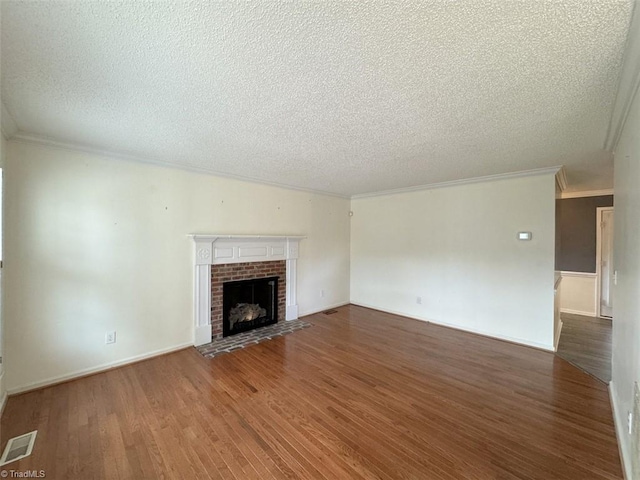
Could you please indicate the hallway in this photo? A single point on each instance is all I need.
(586, 343)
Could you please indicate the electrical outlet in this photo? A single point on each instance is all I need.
(321, 293)
(110, 337)
(630, 422)
(615, 277)
(419, 300)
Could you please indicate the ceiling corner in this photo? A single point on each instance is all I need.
(629, 81)
(9, 126)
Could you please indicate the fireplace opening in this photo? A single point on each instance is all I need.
(249, 304)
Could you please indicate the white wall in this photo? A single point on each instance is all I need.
(94, 244)
(626, 294)
(456, 248)
(579, 294)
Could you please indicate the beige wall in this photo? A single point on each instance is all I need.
(456, 248)
(95, 244)
(626, 294)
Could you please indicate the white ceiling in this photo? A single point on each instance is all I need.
(342, 97)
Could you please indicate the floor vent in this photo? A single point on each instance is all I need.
(329, 312)
(18, 447)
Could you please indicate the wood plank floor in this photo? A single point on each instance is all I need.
(586, 342)
(359, 395)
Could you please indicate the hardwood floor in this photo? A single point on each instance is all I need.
(359, 395)
(586, 342)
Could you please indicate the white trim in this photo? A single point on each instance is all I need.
(3, 403)
(21, 137)
(202, 305)
(327, 307)
(463, 181)
(202, 335)
(212, 237)
(587, 193)
(566, 273)
(219, 249)
(8, 124)
(3, 399)
(577, 312)
(628, 84)
(599, 212)
(76, 147)
(97, 369)
(291, 294)
(558, 333)
(561, 179)
(519, 341)
(593, 313)
(621, 432)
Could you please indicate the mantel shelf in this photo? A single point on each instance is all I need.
(213, 236)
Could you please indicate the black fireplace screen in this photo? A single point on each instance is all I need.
(249, 304)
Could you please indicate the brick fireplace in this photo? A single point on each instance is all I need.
(228, 258)
(220, 274)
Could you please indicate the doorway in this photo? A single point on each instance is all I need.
(604, 261)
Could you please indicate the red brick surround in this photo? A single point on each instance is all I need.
(244, 271)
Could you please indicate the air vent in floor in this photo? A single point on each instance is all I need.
(329, 312)
(18, 447)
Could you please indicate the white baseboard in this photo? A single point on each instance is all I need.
(326, 307)
(558, 333)
(519, 341)
(577, 312)
(621, 432)
(97, 369)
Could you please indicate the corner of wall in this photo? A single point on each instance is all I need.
(125, 265)
(3, 389)
(626, 326)
(619, 422)
(451, 275)
(3, 392)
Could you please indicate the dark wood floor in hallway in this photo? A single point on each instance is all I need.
(359, 395)
(586, 342)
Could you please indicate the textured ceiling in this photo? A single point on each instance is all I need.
(342, 97)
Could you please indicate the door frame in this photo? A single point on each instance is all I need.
(599, 211)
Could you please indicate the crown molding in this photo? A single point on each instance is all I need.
(8, 124)
(628, 84)
(587, 193)
(21, 137)
(464, 181)
(561, 179)
(39, 140)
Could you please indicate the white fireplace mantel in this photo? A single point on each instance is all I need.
(213, 249)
